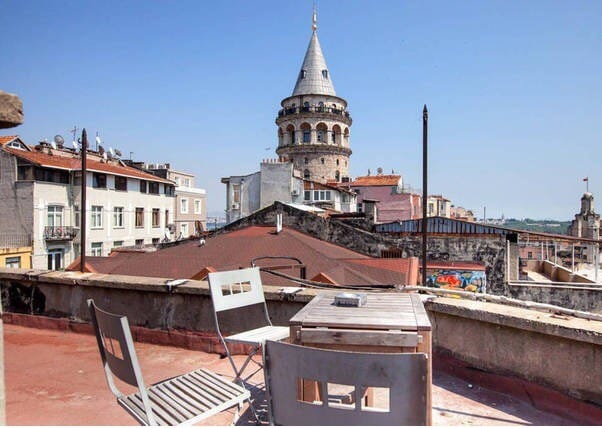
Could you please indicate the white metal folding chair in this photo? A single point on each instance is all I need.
(181, 400)
(403, 376)
(234, 290)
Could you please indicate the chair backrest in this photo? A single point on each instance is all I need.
(243, 288)
(116, 348)
(403, 376)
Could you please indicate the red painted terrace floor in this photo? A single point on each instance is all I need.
(55, 378)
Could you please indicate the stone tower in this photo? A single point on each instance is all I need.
(313, 124)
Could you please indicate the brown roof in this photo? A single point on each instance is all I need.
(236, 249)
(73, 163)
(316, 185)
(377, 180)
(4, 139)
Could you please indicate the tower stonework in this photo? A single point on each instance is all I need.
(313, 124)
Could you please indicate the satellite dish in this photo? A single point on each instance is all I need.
(101, 150)
(379, 170)
(53, 145)
(118, 152)
(111, 152)
(59, 141)
(104, 156)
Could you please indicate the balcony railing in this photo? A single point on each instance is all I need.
(60, 233)
(313, 109)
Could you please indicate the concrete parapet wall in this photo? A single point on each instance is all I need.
(561, 353)
(558, 352)
(576, 296)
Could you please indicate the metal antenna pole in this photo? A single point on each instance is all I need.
(425, 120)
(84, 150)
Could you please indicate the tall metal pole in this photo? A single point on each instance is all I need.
(84, 150)
(425, 120)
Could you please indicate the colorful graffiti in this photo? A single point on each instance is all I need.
(475, 281)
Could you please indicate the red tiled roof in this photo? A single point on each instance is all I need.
(73, 163)
(7, 139)
(455, 265)
(236, 249)
(377, 180)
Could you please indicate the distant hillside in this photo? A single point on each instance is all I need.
(546, 226)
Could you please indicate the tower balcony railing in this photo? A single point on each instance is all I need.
(313, 109)
(60, 233)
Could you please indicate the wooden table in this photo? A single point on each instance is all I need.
(389, 322)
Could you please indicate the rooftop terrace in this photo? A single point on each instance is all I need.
(59, 374)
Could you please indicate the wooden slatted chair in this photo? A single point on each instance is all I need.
(401, 380)
(181, 400)
(243, 288)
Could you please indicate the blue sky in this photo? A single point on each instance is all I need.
(514, 88)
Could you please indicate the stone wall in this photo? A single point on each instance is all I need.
(578, 296)
(487, 249)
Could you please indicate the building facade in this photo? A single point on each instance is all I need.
(41, 192)
(393, 203)
(190, 203)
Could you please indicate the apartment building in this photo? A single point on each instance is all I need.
(41, 191)
(190, 203)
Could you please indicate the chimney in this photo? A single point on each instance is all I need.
(278, 223)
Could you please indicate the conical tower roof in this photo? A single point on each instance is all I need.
(314, 77)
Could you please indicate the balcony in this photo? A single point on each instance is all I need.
(60, 233)
(320, 110)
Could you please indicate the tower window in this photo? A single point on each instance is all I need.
(306, 174)
(325, 74)
(306, 136)
(306, 161)
(302, 74)
(322, 160)
(337, 162)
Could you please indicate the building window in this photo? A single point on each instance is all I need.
(307, 195)
(306, 174)
(322, 160)
(55, 216)
(166, 217)
(187, 182)
(337, 162)
(139, 217)
(184, 230)
(153, 187)
(321, 195)
(530, 255)
(118, 217)
(302, 74)
(142, 186)
(13, 262)
(156, 217)
(139, 242)
(236, 193)
(197, 206)
(360, 207)
(321, 107)
(96, 249)
(344, 197)
(121, 183)
(306, 136)
(184, 206)
(337, 175)
(55, 259)
(325, 74)
(169, 190)
(306, 161)
(76, 215)
(99, 181)
(117, 244)
(177, 181)
(96, 217)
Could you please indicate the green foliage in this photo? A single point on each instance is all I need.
(545, 226)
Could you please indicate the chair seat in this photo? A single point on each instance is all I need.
(186, 399)
(258, 336)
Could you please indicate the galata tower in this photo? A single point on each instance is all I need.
(313, 124)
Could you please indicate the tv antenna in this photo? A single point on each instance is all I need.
(74, 141)
(98, 141)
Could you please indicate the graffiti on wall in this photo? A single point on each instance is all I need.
(475, 281)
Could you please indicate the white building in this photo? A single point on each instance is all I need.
(41, 191)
